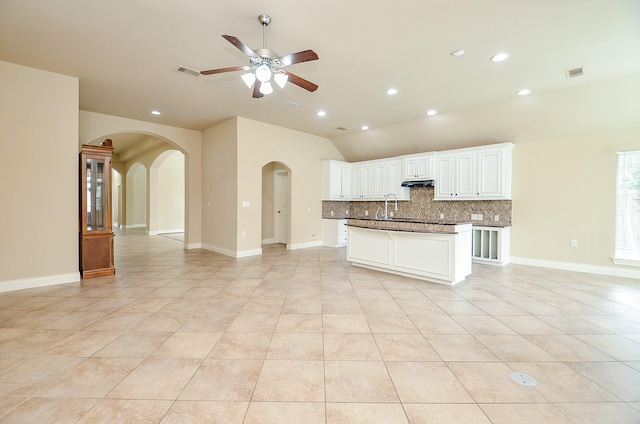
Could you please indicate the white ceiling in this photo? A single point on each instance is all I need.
(124, 53)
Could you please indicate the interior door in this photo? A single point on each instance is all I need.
(281, 194)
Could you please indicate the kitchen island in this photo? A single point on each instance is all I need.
(435, 251)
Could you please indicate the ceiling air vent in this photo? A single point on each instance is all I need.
(575, 72)
(187, 71)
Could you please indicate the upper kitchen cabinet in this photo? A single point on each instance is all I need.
(362, 181)
(387, 179)
(456, 179)
(336, 180)
(418, 167)
(494, 172)
(475, 173)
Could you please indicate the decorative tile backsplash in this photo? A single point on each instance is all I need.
(424, 207)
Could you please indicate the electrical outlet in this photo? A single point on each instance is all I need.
(331, 213)
(480, 217)
(346, 212)
(244, 234)
(245, 204)
(496, 217)
(441, 216)
(474, 216)
(390, 213)
(574, 243)
(366, 213)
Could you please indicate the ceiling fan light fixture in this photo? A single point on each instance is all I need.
(266, 88)
(281, 79)
(263, 73)
(248, 79)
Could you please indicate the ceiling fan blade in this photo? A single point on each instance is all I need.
(303, 56)
(221, 70)
(256, 90)
(240, 45)
(301, 82)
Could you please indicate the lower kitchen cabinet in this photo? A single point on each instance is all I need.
(334, 232)
(438, 257)
(491, 245)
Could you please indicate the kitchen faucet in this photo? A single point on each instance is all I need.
(386, 204)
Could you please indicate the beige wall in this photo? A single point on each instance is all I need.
(219, 188)
(96, 125)
(170, 187)
(39, 174)
(564, 189)
(136, 209)
(260, 144)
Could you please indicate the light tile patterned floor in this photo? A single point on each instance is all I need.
(303, 337)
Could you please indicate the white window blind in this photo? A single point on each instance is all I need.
(628, 207)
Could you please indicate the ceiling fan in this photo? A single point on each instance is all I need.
(266, 64)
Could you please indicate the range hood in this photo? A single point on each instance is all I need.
(417, 183)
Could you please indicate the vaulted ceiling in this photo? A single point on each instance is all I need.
(125, 54)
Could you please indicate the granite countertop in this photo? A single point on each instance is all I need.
(410, 225)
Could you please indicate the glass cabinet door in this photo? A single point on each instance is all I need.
(95, 194)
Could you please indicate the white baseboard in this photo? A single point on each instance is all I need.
(232, 253)
(190, 246)
(31, 283)
(268, 241)
(571, 266)
(136, 226)
(296, 246)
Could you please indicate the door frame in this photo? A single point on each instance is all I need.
(276, 192)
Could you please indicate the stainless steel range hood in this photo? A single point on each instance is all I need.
(417, 183)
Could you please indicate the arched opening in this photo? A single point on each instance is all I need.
(116, 199)
(167, 194)
(136, 197)
(276, 202)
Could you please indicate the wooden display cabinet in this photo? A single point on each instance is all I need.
(96, 234)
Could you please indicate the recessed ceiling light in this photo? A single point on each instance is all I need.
(524, 92)
(364, 127)
(392, 91)
(431, 112)
(291, 105)
(499, 57)
(155, 112)
(457, 53)
(321, 113)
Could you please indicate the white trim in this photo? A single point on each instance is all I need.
(153, 233)
(571, 266)
(189, 246)
(268, 241)
(233, 254)
(136, 226)
(304, 245)
(245, 253)
(626, 262)
(30, 283)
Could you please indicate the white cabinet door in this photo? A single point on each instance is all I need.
(445, 177)
(366, 182)
(356, 181)
(361, 181)
(379, 180)
(394, 180)
(465, 175)
(336, 180)
(494, 173)
(418, 167)
(345, 181)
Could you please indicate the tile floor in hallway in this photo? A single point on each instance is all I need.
(303, 337)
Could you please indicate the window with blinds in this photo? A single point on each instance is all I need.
(628, 208)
